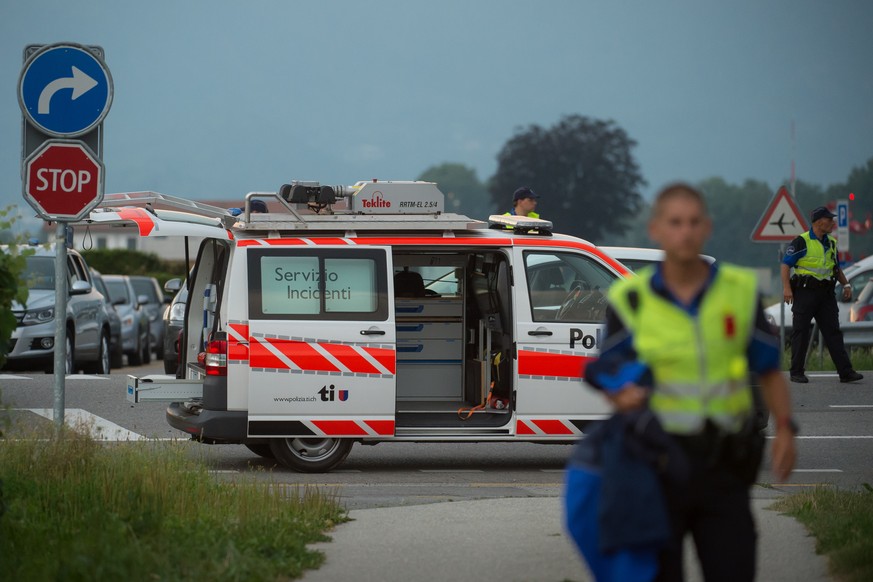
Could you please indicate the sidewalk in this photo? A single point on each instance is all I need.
(518, 539)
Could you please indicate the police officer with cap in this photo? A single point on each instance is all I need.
(524, 201)
(810, 291)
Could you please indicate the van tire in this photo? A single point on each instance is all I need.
(311, 455)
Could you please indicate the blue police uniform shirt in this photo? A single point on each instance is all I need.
(797, 249)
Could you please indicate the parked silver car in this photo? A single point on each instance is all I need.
(116, 353)
(154, 308)
(135, 336)
(87, 320)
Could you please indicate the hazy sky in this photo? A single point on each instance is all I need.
(215, 99)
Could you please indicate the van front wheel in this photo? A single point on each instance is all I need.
(311, 455)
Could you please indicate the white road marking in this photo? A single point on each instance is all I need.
(100, 428)
(14, 377)
(818, 470)
(85, 377)
(851, 405)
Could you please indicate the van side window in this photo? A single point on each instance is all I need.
(566, 287)
(318, 284)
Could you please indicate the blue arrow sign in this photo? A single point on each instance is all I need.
(65, 90)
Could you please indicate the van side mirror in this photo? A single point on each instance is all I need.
(142, 299)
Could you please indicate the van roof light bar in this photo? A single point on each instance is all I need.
(520, 224)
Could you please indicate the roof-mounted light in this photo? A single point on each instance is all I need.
(520, 224)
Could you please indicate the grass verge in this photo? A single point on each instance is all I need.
(862, 359)
(73, 509)
(842, 523)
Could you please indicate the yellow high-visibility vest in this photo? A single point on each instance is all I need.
(699, 363)
(818, 262)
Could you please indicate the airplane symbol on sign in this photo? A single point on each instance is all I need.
(781, 222)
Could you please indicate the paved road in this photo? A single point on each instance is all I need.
(835, 446)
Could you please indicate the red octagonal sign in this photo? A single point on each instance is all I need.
(63, 180)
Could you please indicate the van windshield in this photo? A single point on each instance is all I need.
(39, 273)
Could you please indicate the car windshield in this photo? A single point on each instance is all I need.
(145, 287)
(39, 273)
(117, 291)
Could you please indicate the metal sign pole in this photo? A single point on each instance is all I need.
(60, 322)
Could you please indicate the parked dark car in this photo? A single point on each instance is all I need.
(116, 351)
(135, 337)
(154, 308)
(33, 341)
(174, 321)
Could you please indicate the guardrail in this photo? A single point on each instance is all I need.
(859, 333)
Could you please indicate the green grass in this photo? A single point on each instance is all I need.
(73, 509)
(842, 522)
(862, 359)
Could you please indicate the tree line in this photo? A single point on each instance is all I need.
(592, 183)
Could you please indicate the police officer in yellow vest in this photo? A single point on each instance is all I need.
(813, 255)
(701, 330)
(524, 201)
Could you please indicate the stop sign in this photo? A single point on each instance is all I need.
(63, 180)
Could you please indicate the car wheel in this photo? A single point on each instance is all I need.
(69, 358)
(117, 359)
(159, 349)
(261, 450)
(134, 358)
(311, 455)
(147, 350)
(101, 366)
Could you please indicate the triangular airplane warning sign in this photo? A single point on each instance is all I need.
(782, 221)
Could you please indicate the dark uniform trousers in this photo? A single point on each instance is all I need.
(714, 507)
(817, 300)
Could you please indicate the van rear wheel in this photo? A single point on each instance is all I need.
(311, 455)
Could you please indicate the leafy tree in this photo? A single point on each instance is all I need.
(12, 263)
(735, 210)
(583, 169)
(465, 193)
(130, 262)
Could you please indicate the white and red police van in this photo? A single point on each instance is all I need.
(367, 313)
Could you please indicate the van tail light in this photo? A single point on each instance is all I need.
(215, 361)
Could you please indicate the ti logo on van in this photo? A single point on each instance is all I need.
(332, 394)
